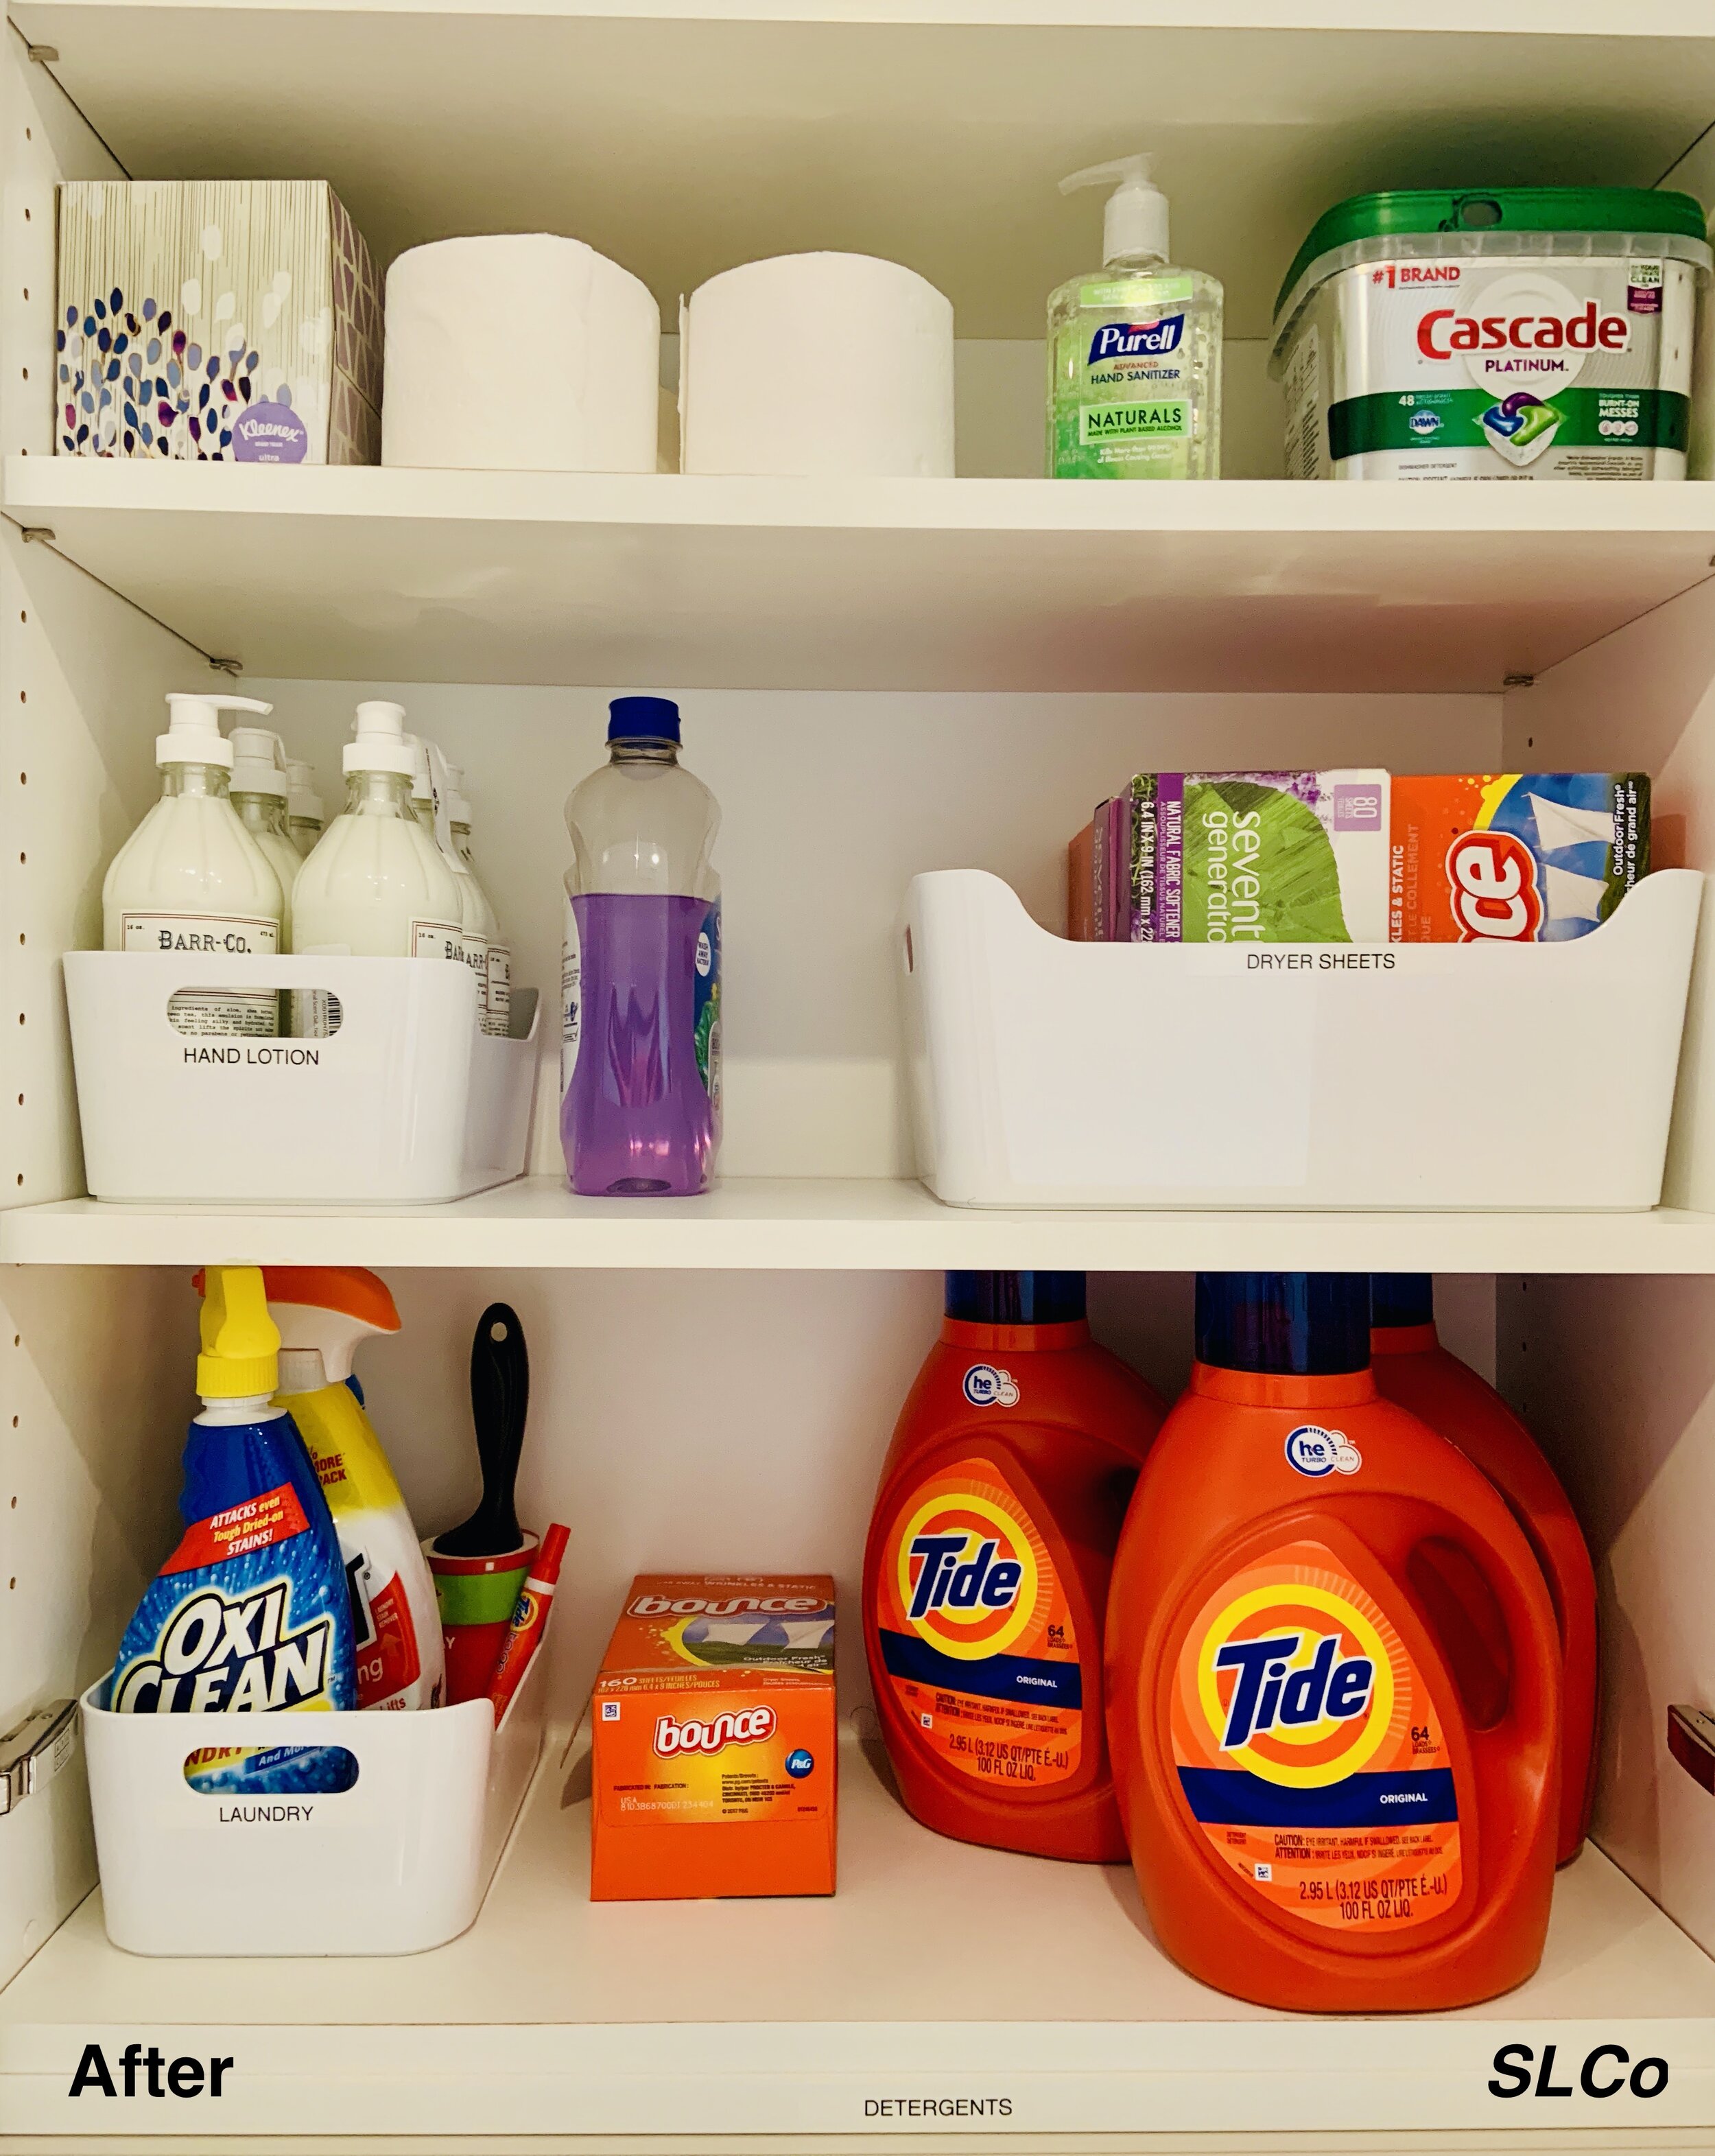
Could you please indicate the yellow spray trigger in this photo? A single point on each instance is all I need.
(241, 1343)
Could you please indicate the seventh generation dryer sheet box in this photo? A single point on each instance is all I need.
(714, 1752)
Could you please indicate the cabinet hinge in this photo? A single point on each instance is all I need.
(1690, 1738)
(33, 1753)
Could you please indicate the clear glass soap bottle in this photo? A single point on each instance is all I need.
(1134, 348)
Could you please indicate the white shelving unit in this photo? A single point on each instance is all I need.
(877, 679)
(907, 2002)
(859, 1224)
(962, 584)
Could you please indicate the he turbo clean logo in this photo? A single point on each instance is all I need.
(1295, 1685)
(968, 1578)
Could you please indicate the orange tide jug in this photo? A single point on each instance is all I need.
(985, 1578)
(1413, 1369)
(1332, 1678)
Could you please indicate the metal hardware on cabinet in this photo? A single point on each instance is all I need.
(1690, 1738)
(33, 1753)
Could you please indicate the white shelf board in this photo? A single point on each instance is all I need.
(555, 578)
(681, 136)
(936, 1973)
(848, 1226)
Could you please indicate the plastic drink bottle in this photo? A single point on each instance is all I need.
(377, 886)
(304, 811)
(257, 789)
(324, 1312)
(1333, 1678)
(250, 1613)
(1415, 1370)
(640, 1054)
(499, 1007)
(190, 878)
(985, 1578)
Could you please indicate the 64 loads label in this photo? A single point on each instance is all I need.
(976, 1635)
(1310, 1752)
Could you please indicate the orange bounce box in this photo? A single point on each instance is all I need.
(715, 1762)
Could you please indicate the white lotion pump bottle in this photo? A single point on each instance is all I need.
(429, 795)
(499, 1008)
(257, 789)
(305, 820)
(374, 887)
(191, 879)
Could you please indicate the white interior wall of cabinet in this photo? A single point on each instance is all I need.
(830, 803)
(89, 1390)
(1617, 1377)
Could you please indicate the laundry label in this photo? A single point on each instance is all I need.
(976, 1634)
(1310, 1749)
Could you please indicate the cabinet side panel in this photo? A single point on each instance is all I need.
(91, 1363)
(1616, 1377)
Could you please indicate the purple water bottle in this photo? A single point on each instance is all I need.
(640, 1038)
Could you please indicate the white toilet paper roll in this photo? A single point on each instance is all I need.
(522, 352)
(826, 364)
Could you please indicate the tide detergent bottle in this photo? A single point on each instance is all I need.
(1332, 1678)
(324, 1312)
(1413, 1369)
(985, 1578)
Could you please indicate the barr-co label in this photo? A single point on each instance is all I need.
(1310, 1752)
(976, 1635)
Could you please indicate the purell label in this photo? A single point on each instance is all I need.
(1130, 339)
(1495, 368)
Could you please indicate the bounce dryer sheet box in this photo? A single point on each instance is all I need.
(1521, 857)
(715, 1762)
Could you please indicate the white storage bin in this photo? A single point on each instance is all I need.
(409, 1102)
(397, 1863)
(1459, 1076)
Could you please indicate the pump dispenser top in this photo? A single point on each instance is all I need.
(1135, 223)
(193, 734)
(379, 741)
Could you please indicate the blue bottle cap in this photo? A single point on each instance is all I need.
(642, 718)
(1284, 1325)
(1401, 1299)
(1015, 1298)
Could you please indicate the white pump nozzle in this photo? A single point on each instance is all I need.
(379, 743)
(193, 734)
(458, 807)
(302, 798)
(258, 761)
(1135, 220)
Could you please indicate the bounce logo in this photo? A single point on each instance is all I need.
(968, 1577)
(1296, 1685)
(1495, 894)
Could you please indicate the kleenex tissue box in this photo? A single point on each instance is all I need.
(216, 320)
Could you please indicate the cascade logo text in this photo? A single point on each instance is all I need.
(1586, 331)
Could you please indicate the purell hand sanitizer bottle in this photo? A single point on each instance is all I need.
(640, 1059)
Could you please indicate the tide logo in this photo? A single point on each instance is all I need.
(968, 1576)
(750, 1725)
(1496, 898)
(1296, 1684)
(1133, 340)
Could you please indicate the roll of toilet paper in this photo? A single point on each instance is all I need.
(824, 364)
(522, 352)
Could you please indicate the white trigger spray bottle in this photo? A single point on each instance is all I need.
(324, 1312)
(1134, 348)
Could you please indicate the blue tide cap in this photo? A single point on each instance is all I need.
(642, 718)
(1401, 1299)
(1015, 1298)
(1284, 1325)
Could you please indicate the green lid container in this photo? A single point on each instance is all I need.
(1484, 210)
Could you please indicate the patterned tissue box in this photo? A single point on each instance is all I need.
(218, 321)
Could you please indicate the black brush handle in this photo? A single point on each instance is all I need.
(499, 1404)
